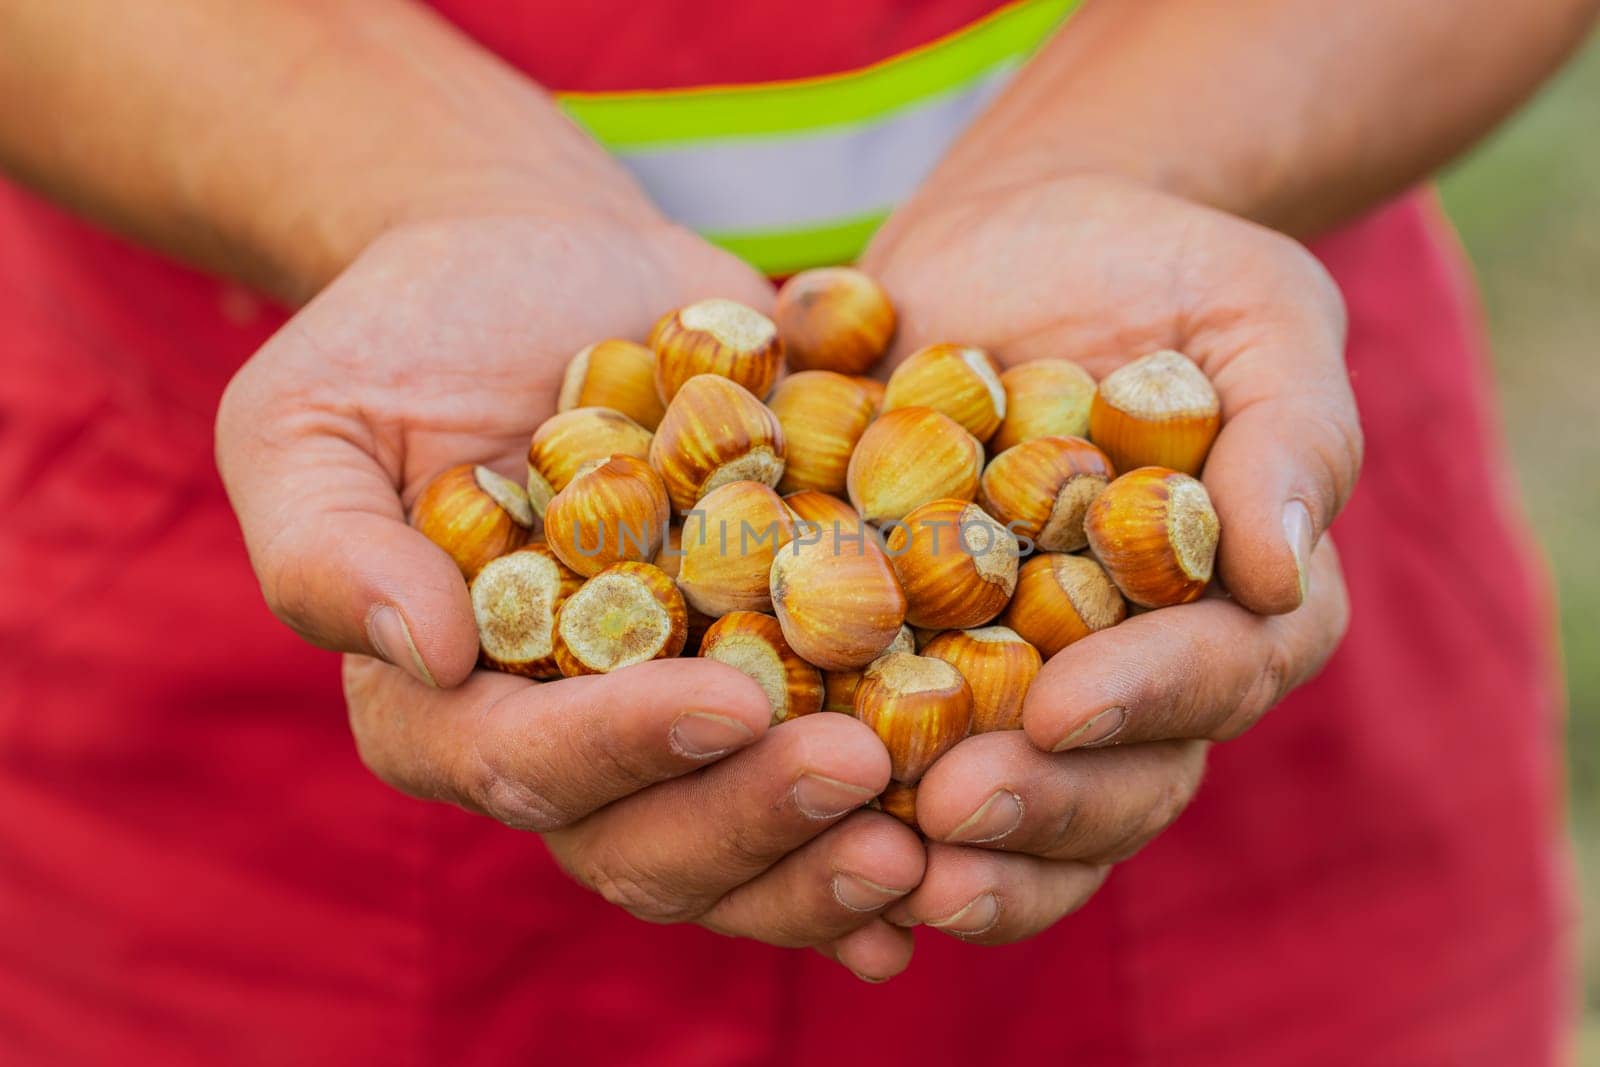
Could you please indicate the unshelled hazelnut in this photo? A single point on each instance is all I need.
(1061, 599)
(614, 509)
(514, 601)
(900, 800)
(999, 667)
(729, 542)
(715, 432)
(839, 687)
(628, 613)
(956, 564)
(960, 381)
(473, 514)
(1158, 411)
(1155, 532)
(834, 318)
(823, 511)
(567, 441)
(837, 599)
(919, 708)
(754, 644)
(908, 457)
(823, 415)
(615, 374)
(1042, 488)
(1044, 398)
(722, 337)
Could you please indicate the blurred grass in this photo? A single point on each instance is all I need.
(1527, 204)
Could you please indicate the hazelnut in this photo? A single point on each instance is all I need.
(721, 337)
(999, 667)
(729, 542)
(514, 600)
(837, 599)
(956, 564)
(960, 381)
(823, 511)
(753, 644)
(1061, 599)
(1158, 411)
(613, 510)
(1042, 488)
(670, 561)
(1155, 532)
(628, 613)
(615, 374)
(908, 457)
(839, 687)
(715, 432)
(834, 318)
(900, 800)
(874, 390)
(1044, 398)
(567, 441)
(919, 708)
(823, 415)
(473, 514)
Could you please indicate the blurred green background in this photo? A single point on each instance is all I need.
(1527, 204)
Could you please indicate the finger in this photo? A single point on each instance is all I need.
(327, 535)
(832, 885)
(1290, 447)
(993, 898)
(1208, 669)
(539, 757)
(1098, 806)
(874, 953)
(670, 853)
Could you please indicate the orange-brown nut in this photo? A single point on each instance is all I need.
(715, 432)
(900, 800)
(840, 686)
(823, 415)
(722, 337)
(670, 560)
(960, 381)
(919, 708)
(1044, 398)
(874, 389)
(729, 542)
(615, 374)
(1155, 532)
(753, 643)
(628, 613)
(567, 441)
(956, 564)
(834, 318)
(908, 457)
(514, 600)
(1158, 411)
(473, 514)
(823, 511)
(999, 667)
(614, 509)
(837, 599)
(1061, 599)
(1041, 489)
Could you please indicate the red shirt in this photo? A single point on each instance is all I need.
(195, 868)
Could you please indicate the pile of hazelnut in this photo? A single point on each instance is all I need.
(848, 544)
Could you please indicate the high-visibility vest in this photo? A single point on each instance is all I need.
(797, 174)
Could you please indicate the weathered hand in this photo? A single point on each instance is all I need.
(1102, 272)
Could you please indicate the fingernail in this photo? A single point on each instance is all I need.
(701, 735)
(823, 798)
(980, 914)
(867, 978)
(1098, 730)
(858, 894)
(1297, 530)
(994, 819)
(387, 631)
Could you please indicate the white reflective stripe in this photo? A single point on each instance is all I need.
(792, 181)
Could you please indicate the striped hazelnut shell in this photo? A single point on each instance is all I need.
(715, 432)
(956, 564)
(961, 381)
(721, 337)
(1041, 489)
(1155, 532)
(754, 644)
(474, 514)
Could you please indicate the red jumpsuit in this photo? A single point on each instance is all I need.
(195, 868)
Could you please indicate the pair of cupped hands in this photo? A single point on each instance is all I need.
(663, 787)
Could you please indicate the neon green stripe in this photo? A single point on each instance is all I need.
(631, 120)
(785, 252)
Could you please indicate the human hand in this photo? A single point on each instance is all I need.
(445, 343)
(1101, 272)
